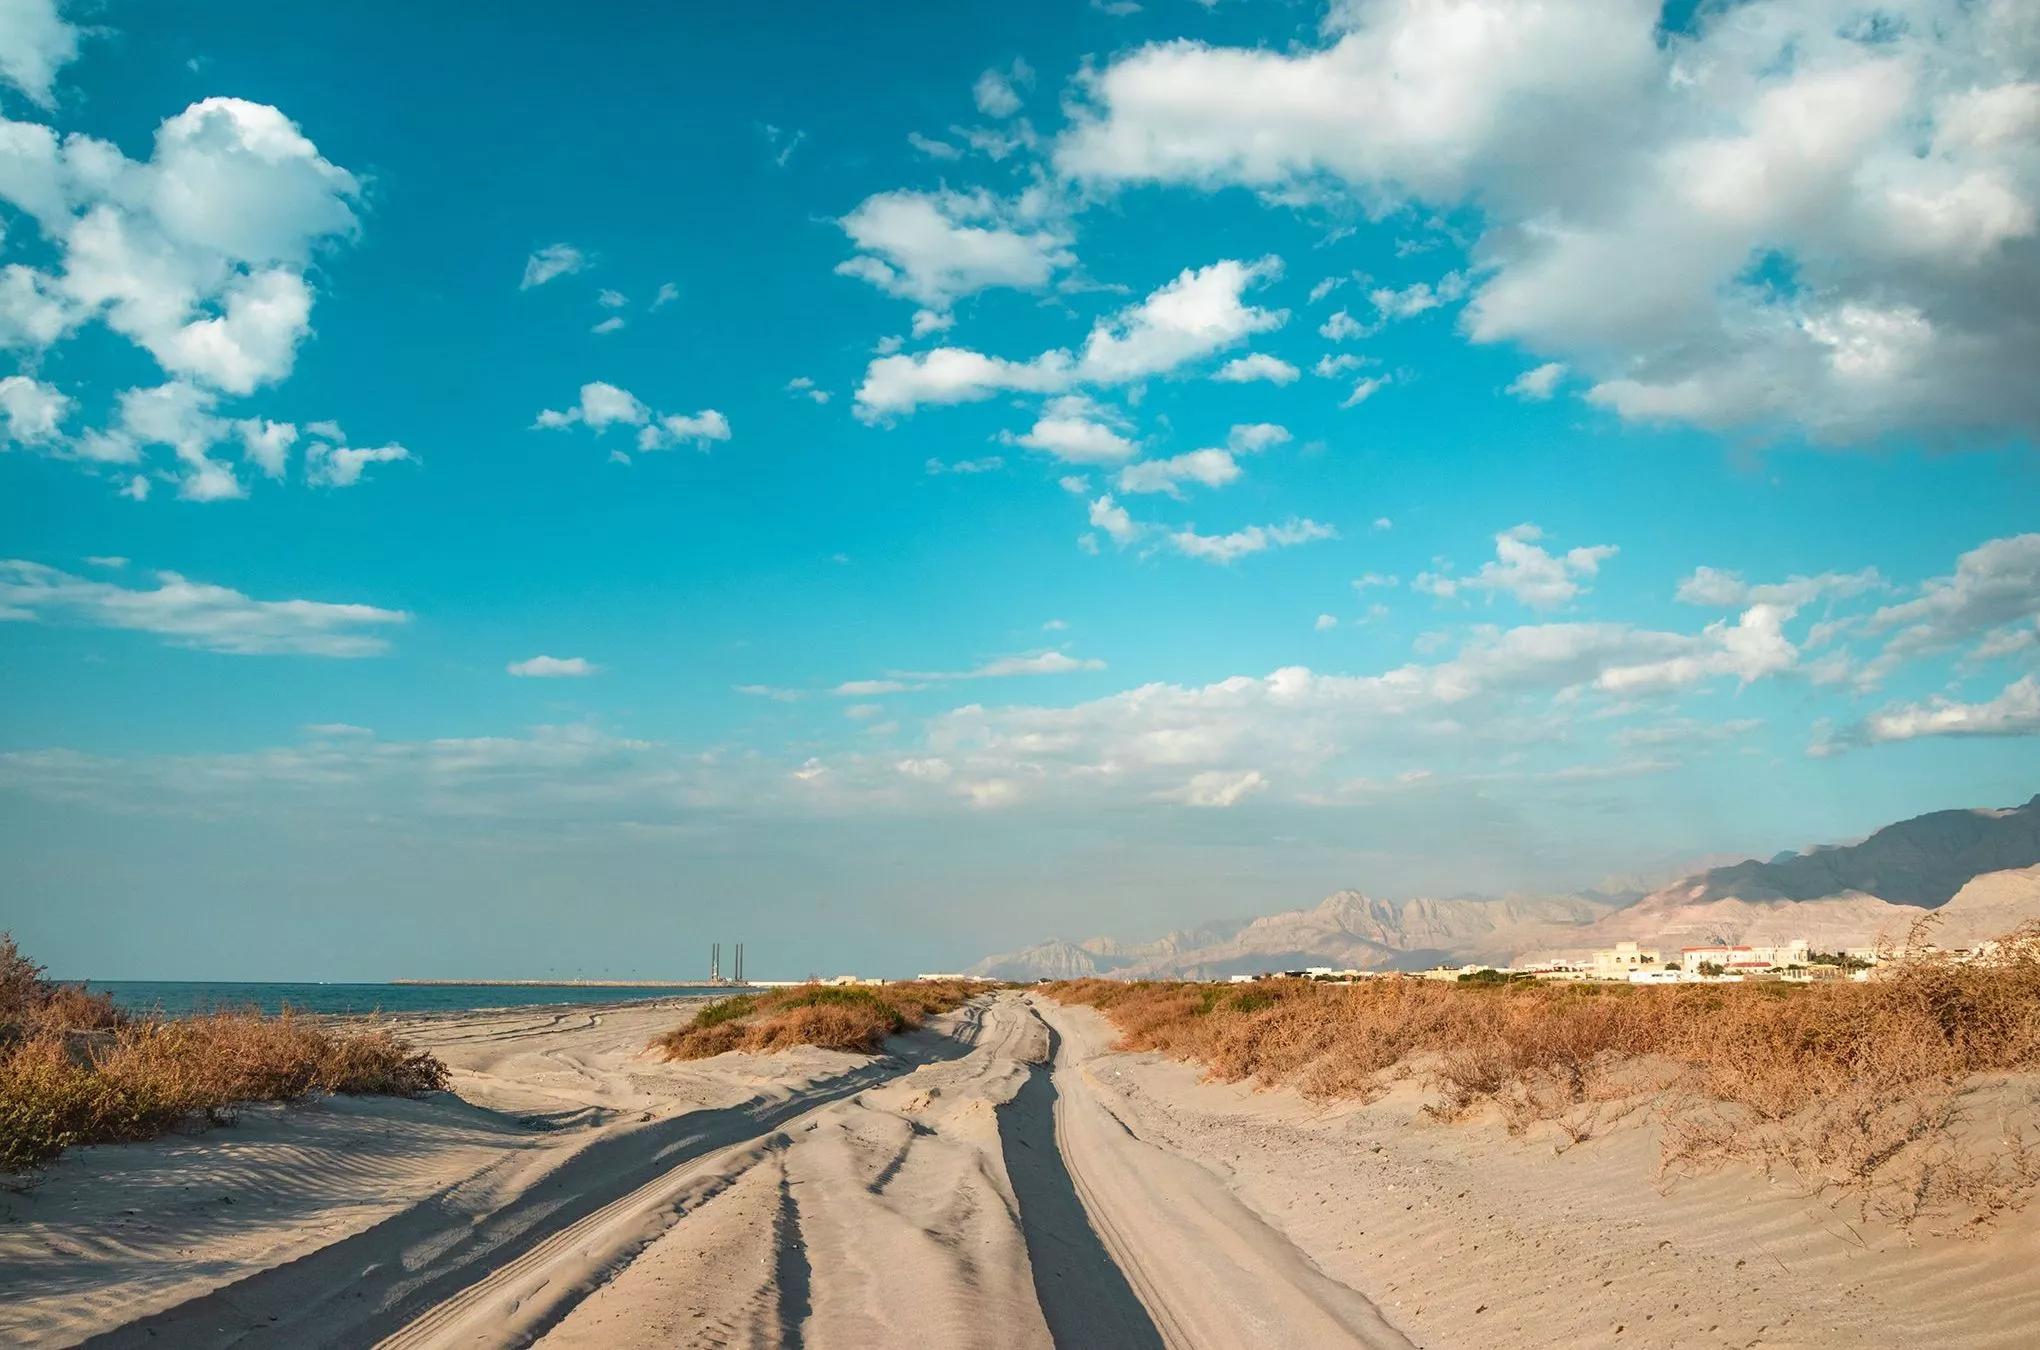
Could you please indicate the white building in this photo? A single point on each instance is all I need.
(1741, 960)
(1623, 960)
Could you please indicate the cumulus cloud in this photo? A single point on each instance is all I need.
(192, 614)
(1995, 586)
(1225, 548)
(899, 383)
(997, 92)
(1109, 516)
(35, 44)
(1539, 383)
(1524, 571)
(1077, 431)
(1197, 315)
(1256, 366)
(1210, 467)
(553, 667)
(936, 247)
(2014, 712)
(1773, 215)
(1749, 649)
(34, 412)
(1714, 587)
(550, 262)
(197, 255)
(1049, 662)
(698, 430)
(604, 405)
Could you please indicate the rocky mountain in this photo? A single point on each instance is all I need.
(1920, 862)
(1977, 872)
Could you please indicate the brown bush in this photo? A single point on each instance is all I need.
(78, 1072)
(1849, 1084)
(856, 1018)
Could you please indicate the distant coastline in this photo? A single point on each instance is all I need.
(563, 984)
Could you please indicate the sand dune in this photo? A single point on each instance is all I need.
(1001, 1179)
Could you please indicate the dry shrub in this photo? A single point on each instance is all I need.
(856, 1018)
(1853, 1085)
(75, 1071)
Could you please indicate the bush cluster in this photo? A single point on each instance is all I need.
(74, 1070)
(1846, 1082)
(856, 1018)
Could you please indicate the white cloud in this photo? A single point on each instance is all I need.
(602, 405)
(1713, 587)
(1419, 298)
(768, 691)
(1256, 366)
(936, 247)
(608, 325)
(1216, 788)
(1030, 663)
(1368, 580)
(867, 688)
(34, 411)
(807, 388)
(1363, 389)
(900, 383)
(997, 91)
(1342, 326)
(988, 464)
(267, 444)
(553, 667)
(1225, 548)
(1107, 515)
(1210, 467)
(668, 293)
(193, 614)
(609, 299)
(340, 466)
(554, 260)
(1749, 649)
(1197, 314)
(1325, 288)
(1521, 569)
(1995, 584)
(605, 405)
(1539, 383)
(1194, 316)
(1325, 621)
(1778, 214)
(1334, 364)
(933, 148)
(2014, 712)
(697, 430)
(197, 255)
(35, 43)
(1073, 429)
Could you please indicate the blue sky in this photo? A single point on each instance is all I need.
(536, 493)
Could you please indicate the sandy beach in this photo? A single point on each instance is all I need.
(999, 1178)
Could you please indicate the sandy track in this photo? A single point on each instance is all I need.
(555, 1221)
(1210, 1272)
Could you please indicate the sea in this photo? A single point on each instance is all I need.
(180, 998)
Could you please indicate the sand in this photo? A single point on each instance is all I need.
(1000, 1178)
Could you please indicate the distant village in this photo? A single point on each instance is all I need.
(1629, 963)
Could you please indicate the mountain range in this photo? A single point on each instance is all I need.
(1976, 872)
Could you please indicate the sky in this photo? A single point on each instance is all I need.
(531, 491)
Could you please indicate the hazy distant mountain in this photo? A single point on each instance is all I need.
(1978, 870)
(1346, 929)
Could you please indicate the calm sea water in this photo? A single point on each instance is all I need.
(177, 998)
